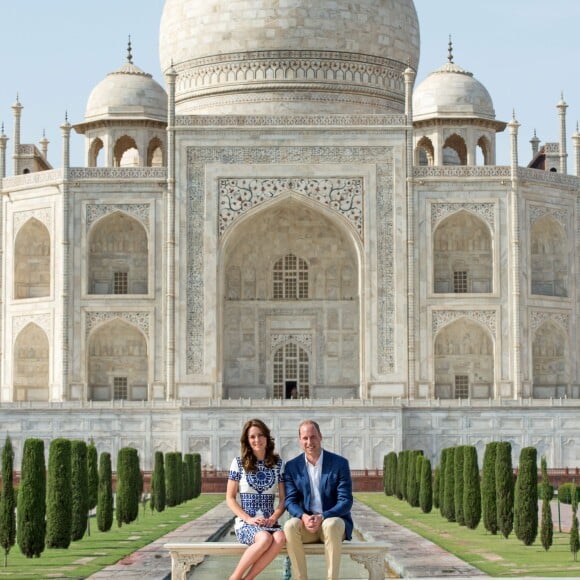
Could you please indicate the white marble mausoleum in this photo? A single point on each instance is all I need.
(289, 225)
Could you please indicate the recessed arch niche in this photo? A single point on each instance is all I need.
(549, 258)
(117, 363)
(464, 362)
(256, 317)
(550, 361)
(462, 255)
(32, 261)
(118, 256)
(31, 364)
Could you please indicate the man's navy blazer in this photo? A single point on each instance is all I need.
(335, 488)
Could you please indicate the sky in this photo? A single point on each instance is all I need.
(54, 53)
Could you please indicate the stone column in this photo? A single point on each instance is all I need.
(576, 141)
(411, 351)
(535, 144)
(17, 108)
(3, 142)
(562, 106)
(514, 237)
(64, 331)
(170, 241)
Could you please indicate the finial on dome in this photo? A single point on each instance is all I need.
(129, 51)
(450, 50)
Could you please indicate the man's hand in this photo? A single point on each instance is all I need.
(312, 523)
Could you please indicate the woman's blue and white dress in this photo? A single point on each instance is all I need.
(258, 491)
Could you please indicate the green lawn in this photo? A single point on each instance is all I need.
(100, 549)
(494, 555)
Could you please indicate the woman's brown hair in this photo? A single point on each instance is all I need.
(248, 458)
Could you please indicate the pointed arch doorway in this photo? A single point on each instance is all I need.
(290, 318)
(291, 372)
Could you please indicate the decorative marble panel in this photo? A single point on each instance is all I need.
(53, 176)
(290, 121)
(487, 318)
(539, 211)
(304, 340)
(41, 320)
(199, 157)
(43, 215)
(486, 211)
(77, 173)
(538, 317)
(140, 211)
(342, 194)
(141, 320)
(461, 171)
(293, 68)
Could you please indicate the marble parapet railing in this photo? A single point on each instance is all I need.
(383, 402)
(57, 176)
(494, 172)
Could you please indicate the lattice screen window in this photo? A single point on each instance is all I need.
(120, 283)
(461, 387)
(460, 282)
(290, 278)
(291, 371)
(120, 390)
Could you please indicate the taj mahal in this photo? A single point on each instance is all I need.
(291, 225)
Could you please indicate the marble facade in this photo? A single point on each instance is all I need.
(285, 236)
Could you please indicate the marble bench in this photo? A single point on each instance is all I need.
(183, 556)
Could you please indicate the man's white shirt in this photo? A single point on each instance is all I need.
(314, 475)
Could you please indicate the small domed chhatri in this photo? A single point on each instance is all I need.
(451, 91)
(128, 92)
(454, 118)
(126, 119)
(299, 56)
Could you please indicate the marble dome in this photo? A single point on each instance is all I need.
(128, 93)
(452, 92)
(277, 56)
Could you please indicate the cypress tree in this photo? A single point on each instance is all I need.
(171, 489)
(190, 465)
(471, 488)
(442, 470)
(504, 485)
(392, 475)
(458, 484)
(412, 482)
(197, 475)
(404, 468)
(385, 471)
(574, 536)
(488, 495)
(92, 481)
(179, 478)
(158, 483)
(547, 528)
(80, 489)
(399, 480)
(105, 495)
(7, 501)
(425, 485)
(185, 481)
(129, 485)
(436, 484)
(58, 495)
(449, 494)
(526, 497)
(31, 510)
